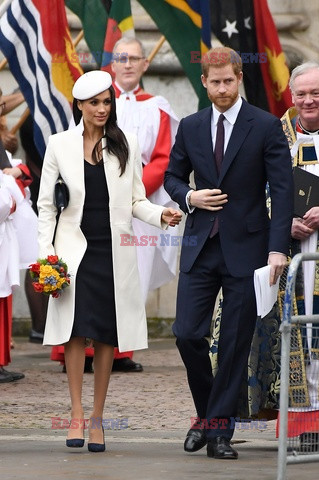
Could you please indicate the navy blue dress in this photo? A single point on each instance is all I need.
(94, 316)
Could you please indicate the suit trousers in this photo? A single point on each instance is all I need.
(215, 398)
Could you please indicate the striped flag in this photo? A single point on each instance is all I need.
(120, 22)
(35, 39)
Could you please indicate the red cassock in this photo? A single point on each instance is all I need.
(5, 330)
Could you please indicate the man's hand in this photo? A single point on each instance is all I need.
(277, 262)
(299, 229)
(311, 218)
(171, 216)
(208, 199)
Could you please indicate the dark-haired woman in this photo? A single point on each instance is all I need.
(102, 168)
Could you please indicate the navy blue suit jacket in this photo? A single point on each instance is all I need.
(257, 153)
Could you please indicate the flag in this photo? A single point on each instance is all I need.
(93, 15)
(275, 71)
(120, 22)
(35, 39)
(186, 26)
(247, 27)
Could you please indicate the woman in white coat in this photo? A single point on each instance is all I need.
(102, 169)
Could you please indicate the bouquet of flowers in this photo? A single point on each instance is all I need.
(49, 275)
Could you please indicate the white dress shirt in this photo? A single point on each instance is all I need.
(229, 122)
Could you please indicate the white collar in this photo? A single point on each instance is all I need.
(230, 114)
(130, 92)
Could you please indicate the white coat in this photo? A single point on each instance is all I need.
(65, 155)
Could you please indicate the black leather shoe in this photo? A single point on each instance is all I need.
(6, 376)
(35, 337)
(195, 438)
(88, 366)
(219, 447)
(126, 364)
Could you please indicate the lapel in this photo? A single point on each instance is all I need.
(112, 174)
(206, 142)
(76, 156)
(240, 131)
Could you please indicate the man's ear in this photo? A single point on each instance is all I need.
(146, 65)
(204, 80)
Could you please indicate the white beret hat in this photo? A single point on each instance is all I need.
(90, 84)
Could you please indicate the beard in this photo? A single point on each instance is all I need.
(223, 102)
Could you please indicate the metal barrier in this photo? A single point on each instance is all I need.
(291, 328)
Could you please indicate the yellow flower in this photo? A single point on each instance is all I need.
(46, 269)
(47, 288)
(56, 275)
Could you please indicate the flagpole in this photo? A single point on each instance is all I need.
(21, 120)
(4, 7)
(3, 63)
(78, 38)
(156, 48)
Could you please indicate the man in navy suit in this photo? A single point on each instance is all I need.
(231, 235)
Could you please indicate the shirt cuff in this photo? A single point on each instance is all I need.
(189, 207)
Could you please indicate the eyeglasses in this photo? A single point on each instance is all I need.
(132, 59)
(2, 105)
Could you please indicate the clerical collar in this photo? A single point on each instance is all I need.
(123, 92)
(302, 129)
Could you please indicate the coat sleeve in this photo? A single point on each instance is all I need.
(176, 181)
(46, 208)
(142, 208)
(279, 175)
(153, 172)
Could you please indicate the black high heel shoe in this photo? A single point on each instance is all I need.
(97, 447)
(75, 442)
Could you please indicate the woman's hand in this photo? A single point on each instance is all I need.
(171, 216)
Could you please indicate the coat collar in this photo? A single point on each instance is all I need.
(240, 131)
